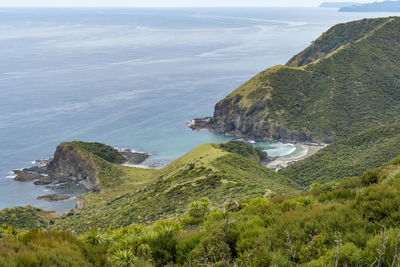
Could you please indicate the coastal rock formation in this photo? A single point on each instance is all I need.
(73, 163)
(54, 197)
(322, 94)
(80, 163)
(25, 175)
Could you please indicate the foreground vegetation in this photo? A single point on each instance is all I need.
(350, 222)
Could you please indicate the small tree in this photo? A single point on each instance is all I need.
(199, 209)
(124, 258)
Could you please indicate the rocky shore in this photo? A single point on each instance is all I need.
(69, 167)
(241, 128)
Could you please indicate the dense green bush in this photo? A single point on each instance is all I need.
(244, 149)
(36, 248)
(103, 151)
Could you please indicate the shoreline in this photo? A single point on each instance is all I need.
(282, 162)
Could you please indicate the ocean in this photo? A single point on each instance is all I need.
(132, 77)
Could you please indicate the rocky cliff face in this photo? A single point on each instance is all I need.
(229, 118)
(70, 162)
(346, 82)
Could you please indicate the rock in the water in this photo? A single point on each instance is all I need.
(43, 181)
(133, 158)
(23, 176)
(201, 123)
(36, 169)
(54, 197)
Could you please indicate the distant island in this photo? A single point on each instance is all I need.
(337, 4)
(387, 6)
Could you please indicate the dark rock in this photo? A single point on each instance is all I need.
(54, 197)
(202, 123)
(70, 162)
(24, 176)
(37, 169)
(43, 181)
(133, 158)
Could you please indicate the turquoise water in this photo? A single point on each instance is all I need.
(131, 77)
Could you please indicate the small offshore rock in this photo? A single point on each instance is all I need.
(201, 123)
(24, 176)
(53, 197)
(43, 181)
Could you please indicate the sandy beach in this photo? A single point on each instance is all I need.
(283, 162)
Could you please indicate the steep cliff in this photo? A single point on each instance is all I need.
(69, 161)
(347, 81)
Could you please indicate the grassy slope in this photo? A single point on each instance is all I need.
(334, 38)
(348, 157)
(360, 214)
(149, 195)
(329, 98)
(26, 217)
(49, 249)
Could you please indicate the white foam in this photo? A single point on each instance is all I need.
(303, 153)
(125, 149)
(139, 166)
(281, 149)
(11, 176)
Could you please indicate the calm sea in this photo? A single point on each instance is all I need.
(131, 77)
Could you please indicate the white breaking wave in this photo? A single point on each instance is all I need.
(11, 175)
(281, 150)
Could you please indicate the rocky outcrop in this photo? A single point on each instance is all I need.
(25, 175)
(132, 158)
(44, 181)
(231, 121)
(54, 197)
(71, 162)
(80, 202)
(80, 163)
(235, 121)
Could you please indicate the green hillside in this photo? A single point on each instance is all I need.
(349, 222)
(26, 217)
(218, 206)
(149, 195)
(345, 82)
(350, 156)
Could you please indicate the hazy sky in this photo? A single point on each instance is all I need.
(163, 3)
